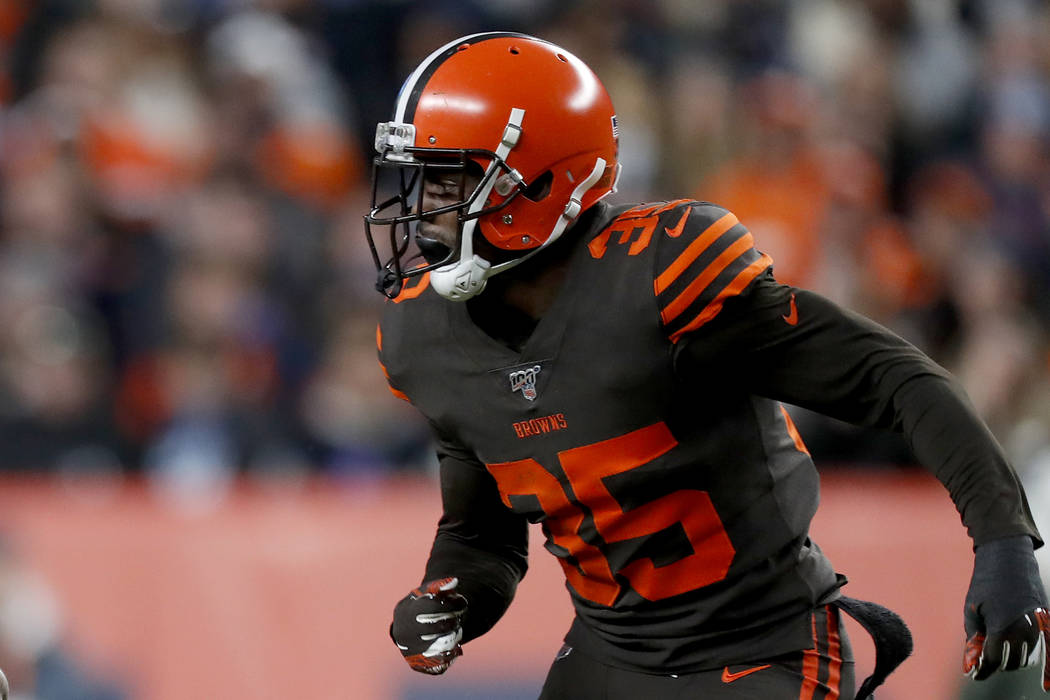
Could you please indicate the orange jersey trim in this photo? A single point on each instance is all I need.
(834, 657)
(793, 431)
(652, 210)
(810, 665)
(413, 292)
(379, 346)
(694, 250)
(396, 392)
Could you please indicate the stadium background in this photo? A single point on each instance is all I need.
(205, 488)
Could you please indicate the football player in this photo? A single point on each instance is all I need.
(615, 374)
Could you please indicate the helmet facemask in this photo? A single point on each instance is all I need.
(397, 203)
(461, 273)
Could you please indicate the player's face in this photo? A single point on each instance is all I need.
(437, 235)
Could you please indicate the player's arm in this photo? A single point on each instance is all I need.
(478, 557)
(798, 347)
(479, 540)
(731, 321)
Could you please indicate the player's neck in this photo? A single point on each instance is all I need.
(533, 293)
(531, 287)
(511, 307)
(514, 302)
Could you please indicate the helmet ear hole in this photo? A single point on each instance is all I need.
(540, 187)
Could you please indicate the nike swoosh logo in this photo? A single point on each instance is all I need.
(728, 677)
(791, 317)
(680, 226)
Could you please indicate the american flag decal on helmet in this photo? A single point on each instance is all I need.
(615, 128)
(524, 380)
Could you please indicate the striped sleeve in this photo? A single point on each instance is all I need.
(705, 259)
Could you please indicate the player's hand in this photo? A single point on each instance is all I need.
(1006, 617)
(428, 626)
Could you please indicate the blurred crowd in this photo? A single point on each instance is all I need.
(37, 658)
(185, 289)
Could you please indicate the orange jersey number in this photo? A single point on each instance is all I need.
(586, 467)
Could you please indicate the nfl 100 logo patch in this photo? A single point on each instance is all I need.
(524, 380)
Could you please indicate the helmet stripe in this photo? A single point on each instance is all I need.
(408, 97)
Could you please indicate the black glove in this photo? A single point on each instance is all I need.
(427, 626)
(1006, 617)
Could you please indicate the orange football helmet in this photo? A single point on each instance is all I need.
(535, 120)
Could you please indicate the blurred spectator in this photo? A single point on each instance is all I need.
(184, 287)
(1015, 144)
(347, 410)
(618, 47)
(774, 181)
(280, 108)
(37, 662)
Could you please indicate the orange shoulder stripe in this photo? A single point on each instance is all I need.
(701, 282)
(693, 251)
(738, 284)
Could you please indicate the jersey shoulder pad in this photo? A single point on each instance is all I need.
(633, 229)
(707, 257)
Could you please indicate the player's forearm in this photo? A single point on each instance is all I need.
(479, 541)
(488, 578)
(888, 383)
(848, 367)
(947, 436)
(891, 384)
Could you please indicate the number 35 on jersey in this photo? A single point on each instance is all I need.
(570, 509)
